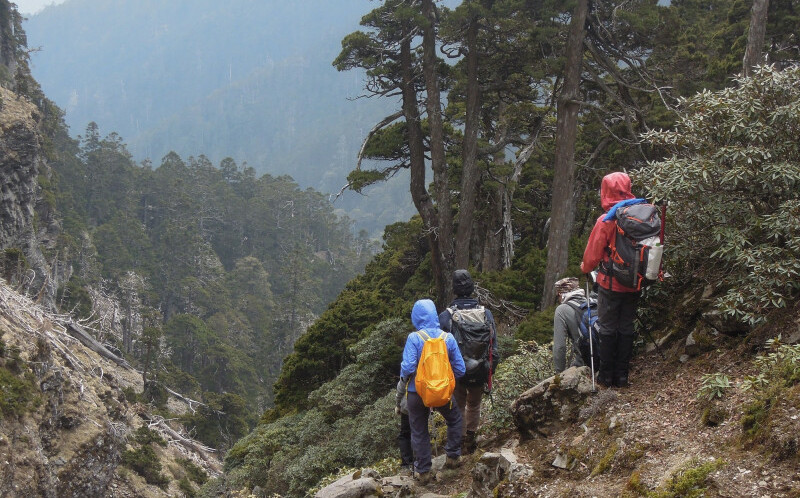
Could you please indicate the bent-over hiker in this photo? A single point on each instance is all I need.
(566, 323)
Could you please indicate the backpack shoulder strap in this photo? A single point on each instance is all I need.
(424, 335)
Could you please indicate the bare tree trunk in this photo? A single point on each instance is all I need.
(419, 192)
(755, 37)
(470, 173)
(438, 160)
(492, 259)
(562, 211)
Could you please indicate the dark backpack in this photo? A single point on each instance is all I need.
(587, 323)
(636, 250)
(473, 332)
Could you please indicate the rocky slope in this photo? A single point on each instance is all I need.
(67, 426)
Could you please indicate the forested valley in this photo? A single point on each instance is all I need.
(250, 294)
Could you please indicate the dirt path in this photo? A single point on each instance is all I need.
(634, 441)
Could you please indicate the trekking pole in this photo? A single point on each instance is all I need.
(591, 342)
(654, 343)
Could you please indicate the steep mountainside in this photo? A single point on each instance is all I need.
(68, 427)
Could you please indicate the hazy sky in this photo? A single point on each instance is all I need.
(33, 6)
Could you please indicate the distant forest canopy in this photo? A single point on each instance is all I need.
(248, 80)
(228, 267)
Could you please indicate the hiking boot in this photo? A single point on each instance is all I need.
(406, 471)
(470, 444)
(424, 478)
(605, 378)
(622, 365)
(452, 462)
(607, 352)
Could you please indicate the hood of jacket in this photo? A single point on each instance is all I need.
(614, 188)
(578, 295)
(424, 316)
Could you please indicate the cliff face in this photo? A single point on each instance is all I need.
(19, 166)
(21, 161)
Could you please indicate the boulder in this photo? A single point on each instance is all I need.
(360, 484)
(398, 486)
(725, 324)
(552, 404)
(490, 471)
(493, 469)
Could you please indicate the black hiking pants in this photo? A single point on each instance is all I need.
(616, 313)
(404, 442)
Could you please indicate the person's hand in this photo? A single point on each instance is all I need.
(397, 410)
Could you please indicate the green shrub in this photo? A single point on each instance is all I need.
(186, 488)
(13, 265)
(713, 386)
(144, 436)
(144, 462)
(155, 393)
(195, 473)
(537, 327)
(514, 376)
(739, 147)
(74, 298)
(16, 394)
(778, 371)
(377, 360)
(689, 481)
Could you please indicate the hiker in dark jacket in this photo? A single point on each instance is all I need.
(469, 391)
(565, 323)
(404, 437)
(616, 303)
(424, 318)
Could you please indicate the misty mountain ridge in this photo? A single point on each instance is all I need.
(222, 80)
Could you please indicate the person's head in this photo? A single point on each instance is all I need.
(614, 188)
(462, 283)
(424, 316)
(565, 286)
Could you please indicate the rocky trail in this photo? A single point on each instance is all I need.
(655, 438)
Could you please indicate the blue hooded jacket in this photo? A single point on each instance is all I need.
(424, 317)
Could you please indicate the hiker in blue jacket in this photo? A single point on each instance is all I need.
(425, 318)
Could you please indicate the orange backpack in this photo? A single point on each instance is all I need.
(435, 381)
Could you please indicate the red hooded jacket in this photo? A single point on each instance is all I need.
(615, 187)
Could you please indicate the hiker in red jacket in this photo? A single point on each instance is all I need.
(616, 303)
